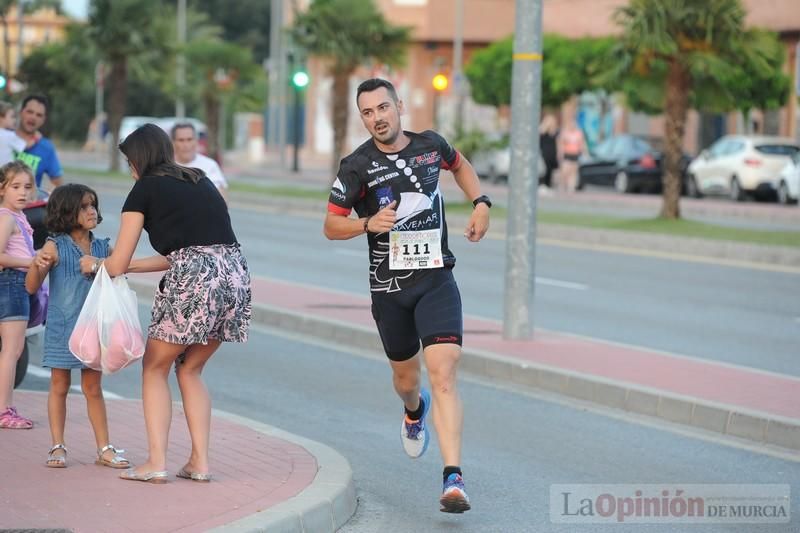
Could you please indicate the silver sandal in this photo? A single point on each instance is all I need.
(57, 461)
(148, 477)
(118, 461)
(194, 476)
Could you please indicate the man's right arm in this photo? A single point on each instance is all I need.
(340, 227)
(345, 192)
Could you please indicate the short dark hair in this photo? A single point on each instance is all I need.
(180, 126)
(64, 206)
(373, 84)
(42, 99)
(150, 151)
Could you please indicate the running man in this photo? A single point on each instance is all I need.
(392, 182)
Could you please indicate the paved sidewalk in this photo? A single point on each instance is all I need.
(264, 478)
(739, 401)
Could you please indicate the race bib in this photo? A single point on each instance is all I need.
(413, 250)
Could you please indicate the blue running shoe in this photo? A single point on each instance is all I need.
(454, 498)
(413, 433)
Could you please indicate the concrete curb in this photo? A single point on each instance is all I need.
(324, 506)
(735, 421)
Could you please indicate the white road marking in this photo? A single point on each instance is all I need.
(561, 284)
(737, 263)
(42, 373)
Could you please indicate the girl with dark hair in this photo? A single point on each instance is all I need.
(72, 214)
(202, 301)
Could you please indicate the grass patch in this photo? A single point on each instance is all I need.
(285, 191)
(96, 173)
(676, 228)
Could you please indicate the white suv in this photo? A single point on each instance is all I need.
(738, 165)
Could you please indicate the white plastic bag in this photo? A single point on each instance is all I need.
(108, 334)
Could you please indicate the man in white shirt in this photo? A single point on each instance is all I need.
(10, 143)
(184, 140)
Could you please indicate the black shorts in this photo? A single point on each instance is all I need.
(428, 311)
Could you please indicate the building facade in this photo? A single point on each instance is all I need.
(37, 28)
(434, 25)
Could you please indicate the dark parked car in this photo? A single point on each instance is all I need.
(626, 162)
(35, 212)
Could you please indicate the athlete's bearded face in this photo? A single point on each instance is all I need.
(380, 114)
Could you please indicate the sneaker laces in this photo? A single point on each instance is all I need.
(413, 428)
(454, 481)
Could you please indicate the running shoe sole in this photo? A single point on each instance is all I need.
(454, 502)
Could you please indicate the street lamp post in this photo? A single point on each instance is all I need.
(99, 88)
(180, 71)
(523, 179)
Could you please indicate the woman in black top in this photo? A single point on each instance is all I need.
(202, 300)
(548, 131)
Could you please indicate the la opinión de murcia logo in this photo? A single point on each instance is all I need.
(712, 503)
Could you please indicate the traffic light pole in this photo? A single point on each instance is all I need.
(296, 131)
(526, 85)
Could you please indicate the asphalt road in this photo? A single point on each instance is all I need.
(516, 445)
(736, 315)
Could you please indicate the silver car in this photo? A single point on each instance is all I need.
(495, 165)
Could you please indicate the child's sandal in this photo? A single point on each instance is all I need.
(117, 461)
(57, 461)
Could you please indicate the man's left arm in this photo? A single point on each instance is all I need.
(53, 169)
(467, 180)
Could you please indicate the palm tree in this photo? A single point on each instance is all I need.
(124, 30)
(347, 34)
(685, 45)
(215, 67)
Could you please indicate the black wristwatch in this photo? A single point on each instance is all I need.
(482, 199)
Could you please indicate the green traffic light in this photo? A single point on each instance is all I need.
(2, 82)
(300, 79)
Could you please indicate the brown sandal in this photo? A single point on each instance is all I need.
(117, 461)
(57, 461)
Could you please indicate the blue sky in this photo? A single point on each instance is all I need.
(76, 8)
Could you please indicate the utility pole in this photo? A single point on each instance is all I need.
(99, 89)
(278, 81)
(523, 181)
(458, 60)
(20, 36)
(272, 62)
(180, 72)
